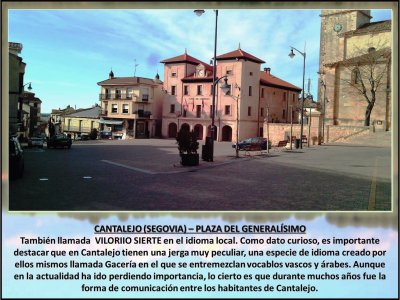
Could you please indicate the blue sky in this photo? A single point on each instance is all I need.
(68, 51)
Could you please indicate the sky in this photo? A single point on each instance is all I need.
(68, 52)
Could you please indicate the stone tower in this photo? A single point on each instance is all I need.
(334, 22)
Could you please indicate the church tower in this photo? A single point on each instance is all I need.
(335, 22)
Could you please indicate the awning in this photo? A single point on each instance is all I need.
(111, 122)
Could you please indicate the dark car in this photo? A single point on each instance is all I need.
(255, 143)
(59, 141)
(16, 158)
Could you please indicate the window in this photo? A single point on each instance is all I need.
(284, 97)
(80, 125)
(294, 98)
(129, 93)
(105, 107)
(114, 108)
(124, 108)
(199, 90)
(211, 89)
(229, 72)
(117, 93)
(172, 109)
(262, 92)
(284, 114)
(186, 90)
(249, 111)
(69, 124)
(184, 112)
(262, 112)
(250, 90)
(145, 97)
(173, 74)
(173, 90)
(251, 73)
(227, 110)
(108, 93)
(198, 111)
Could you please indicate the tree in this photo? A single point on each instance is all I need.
(369, 74)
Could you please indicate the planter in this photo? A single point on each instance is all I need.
(190, 159)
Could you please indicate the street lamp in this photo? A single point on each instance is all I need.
(225, 87)
(29, 86)
(199, 12)
(291, 55)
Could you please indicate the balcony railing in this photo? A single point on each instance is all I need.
(115, 96)
(143, 98)
(142, 114)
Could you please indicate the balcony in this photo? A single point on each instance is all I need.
(142, 114)
(144, 98)
(115, 97)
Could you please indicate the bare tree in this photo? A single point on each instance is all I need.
(369, 74)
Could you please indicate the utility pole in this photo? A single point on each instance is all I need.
(267, 129)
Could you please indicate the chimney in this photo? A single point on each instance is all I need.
(267, 70)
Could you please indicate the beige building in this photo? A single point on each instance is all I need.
(82, 121)
(355, 52)
(131, 107)
(188, 96)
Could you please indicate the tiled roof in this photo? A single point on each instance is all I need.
(128, 81)
(366, 58)
(370, 28)
(93, 112)
(239, 53)
(270, 80)
(183, 58)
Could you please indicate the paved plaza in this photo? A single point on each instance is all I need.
(145, 175)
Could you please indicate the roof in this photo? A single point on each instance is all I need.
(270, 80)
(239, 53)
(365, 58)
(184, 58)
(93, 112)
(128, 81)
(372, 27)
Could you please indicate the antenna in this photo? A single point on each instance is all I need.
(134, 73)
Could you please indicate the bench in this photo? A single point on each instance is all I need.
(304, 139)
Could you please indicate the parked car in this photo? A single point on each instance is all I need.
(59, 141)
(35, 142)
(16, 158)
(254, 143)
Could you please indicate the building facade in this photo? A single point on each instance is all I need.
(131, 106)
(242, 111)
(57, 117)
(31, 112)
(16, 87)
(82, 121)
(355, 56)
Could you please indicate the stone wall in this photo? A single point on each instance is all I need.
(334, 133)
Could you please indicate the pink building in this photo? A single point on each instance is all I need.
(188, 96)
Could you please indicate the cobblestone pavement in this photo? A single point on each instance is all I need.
(138, 175)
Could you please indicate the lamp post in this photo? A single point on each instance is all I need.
(225, 87)
(291, 55)
(323, 118)
(199, 12)
(29, 86)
